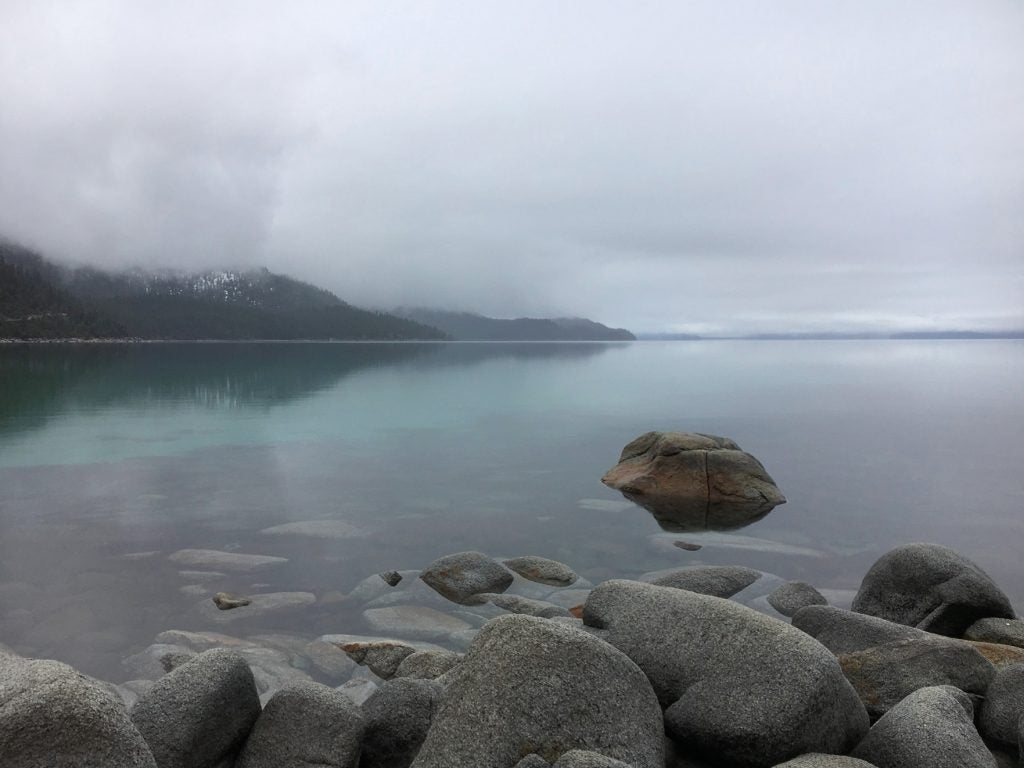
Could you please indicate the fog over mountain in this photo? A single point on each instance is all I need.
(705, 167)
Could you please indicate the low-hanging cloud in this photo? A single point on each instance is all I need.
(720, 167)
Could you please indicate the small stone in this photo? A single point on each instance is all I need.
(794, 595)
(382, 657)
(689, 546)
(542, 570)
(226, 602)
(462, 575)
(715, 580)
(391, 577)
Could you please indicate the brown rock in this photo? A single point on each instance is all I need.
(226, 602)
(694, 482)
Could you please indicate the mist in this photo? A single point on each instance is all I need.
(698, 167)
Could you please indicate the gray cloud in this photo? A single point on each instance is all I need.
(705, 166)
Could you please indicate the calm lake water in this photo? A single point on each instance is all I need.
(114, 457)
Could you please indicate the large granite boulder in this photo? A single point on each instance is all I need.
(305, 724)
(930, 587)
(886, 674)
(398, 716)
(1001, 712)
(739, 686)
(462, 575)
(51, 715)
(199, 714)
(530, 685)
(845, 632)
(691, 481)
(930, 728)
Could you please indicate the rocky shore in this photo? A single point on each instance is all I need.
(522, 664)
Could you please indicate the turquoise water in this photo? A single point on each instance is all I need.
(108, 451)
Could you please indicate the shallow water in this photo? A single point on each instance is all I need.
(114, 457)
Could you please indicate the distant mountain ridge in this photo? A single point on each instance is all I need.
(466, 326)
(39, 299)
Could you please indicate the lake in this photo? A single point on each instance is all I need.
(114, 457)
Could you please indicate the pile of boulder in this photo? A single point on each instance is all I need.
(927, 669)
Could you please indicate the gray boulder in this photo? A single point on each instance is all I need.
(845, 632)
(51, 715)
(530, 685)
(930, 728)
(886, 674)
(1002, 631)
(794, 595)
(819, 760)
(383, 657)
(578, 758)
(398, 716)
(930, 587)
(716, 580)
(740, 687)
(542, 570)
(427, 665)
(1003, 707)
(460, 576)
(200, 713)
(693, 482)
(305, 724)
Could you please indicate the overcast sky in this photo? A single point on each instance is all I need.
(715, 166)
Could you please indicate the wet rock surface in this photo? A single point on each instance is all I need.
(462, 575)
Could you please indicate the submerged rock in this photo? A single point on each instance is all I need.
(391, 578)
(739, 686)
(414, 621)
(213, 559)
(462, 575)
(318, 529)
(930, 587)
(542, 570)
(226, 602)
(259, 606)
(694, 482)
(530, 685)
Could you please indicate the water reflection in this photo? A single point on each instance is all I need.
(690, 516)
(38, 382)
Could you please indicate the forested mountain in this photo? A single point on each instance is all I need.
(465, 326)
(41, 300)
(34, 305)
